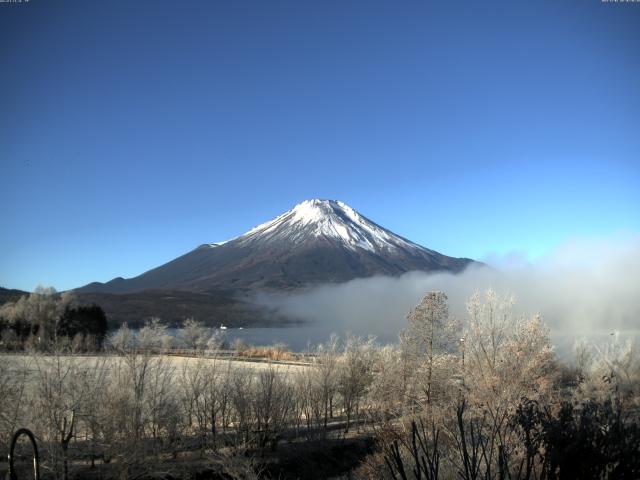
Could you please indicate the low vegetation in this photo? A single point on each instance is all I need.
(482, 398)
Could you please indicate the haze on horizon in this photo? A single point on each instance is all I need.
(130, 133)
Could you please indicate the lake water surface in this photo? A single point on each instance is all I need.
(301, 338)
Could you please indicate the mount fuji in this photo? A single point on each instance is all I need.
(318, 241)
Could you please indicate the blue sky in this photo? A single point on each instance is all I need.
(131, 132)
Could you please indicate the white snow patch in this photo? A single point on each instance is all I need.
(217, 244)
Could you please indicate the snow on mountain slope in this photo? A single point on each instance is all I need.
(329, 219)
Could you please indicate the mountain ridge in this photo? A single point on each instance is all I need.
(317, 241)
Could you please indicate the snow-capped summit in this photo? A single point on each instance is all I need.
(317, 241)
(329, 219)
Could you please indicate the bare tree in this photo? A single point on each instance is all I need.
(241, 380)
(13, 378)
(218, 393)
(91, 378)
(272, 403)
(193, 388)
(59, 398)
(160, 401)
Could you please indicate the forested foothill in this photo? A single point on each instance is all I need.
(480, 397)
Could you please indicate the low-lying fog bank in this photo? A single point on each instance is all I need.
(583, 289)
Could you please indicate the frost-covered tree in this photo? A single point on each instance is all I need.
(151, 335)
(583, 357)
(431, 333)
(389, 388)
(122, 340)
(38, 315)
(325, 376)
(193, 334)
(355, 374)
(609, 370)
(216, 341)
(506, 357)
